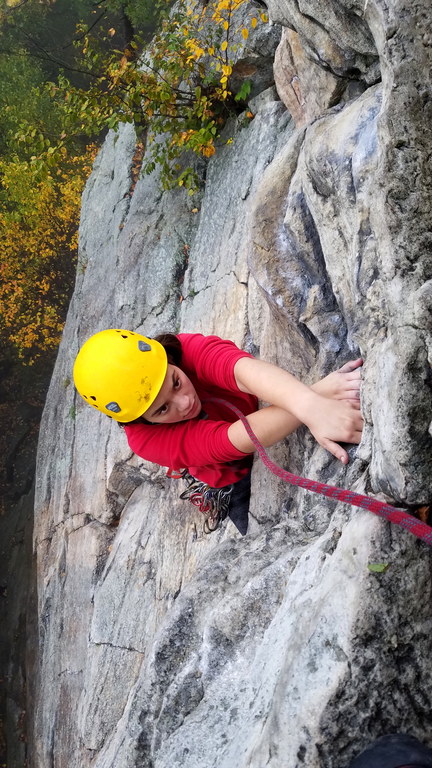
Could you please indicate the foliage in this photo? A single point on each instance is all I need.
(144, 15)
(18, 76)
(38, 240)
(179, 92)
(40, 182)
(43, 31)
(60, 88)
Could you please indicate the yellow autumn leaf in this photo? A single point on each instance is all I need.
(254, 22)
(224, 45)
(208, 151)
(245, 33)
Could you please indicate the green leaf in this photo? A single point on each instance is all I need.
(378, 567)
(244, 91)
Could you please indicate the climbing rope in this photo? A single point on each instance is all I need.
(387, 511)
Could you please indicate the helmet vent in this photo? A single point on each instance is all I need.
(92, 397)
(114, 407)
(144, 347)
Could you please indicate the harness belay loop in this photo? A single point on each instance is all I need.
(381, 508)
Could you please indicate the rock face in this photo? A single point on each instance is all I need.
(161, 647)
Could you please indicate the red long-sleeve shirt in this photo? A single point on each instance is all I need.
(201, 445)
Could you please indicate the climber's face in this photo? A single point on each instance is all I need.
(176, 401)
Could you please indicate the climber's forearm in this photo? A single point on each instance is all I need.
(271, 384)
(270, 425)
(275, 386)
(330, 421)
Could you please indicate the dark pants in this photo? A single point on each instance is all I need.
(395, 750)
(239, 504)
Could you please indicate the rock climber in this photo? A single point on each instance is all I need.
(160, 391)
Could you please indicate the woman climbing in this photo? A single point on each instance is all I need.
(166, 393)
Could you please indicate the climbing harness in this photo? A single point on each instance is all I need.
(212, 502)
(387, 511)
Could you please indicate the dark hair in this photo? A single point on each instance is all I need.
(173, 348)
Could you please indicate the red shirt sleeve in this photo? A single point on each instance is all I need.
(211, 359)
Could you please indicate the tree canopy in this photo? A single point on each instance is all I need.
(69, 71)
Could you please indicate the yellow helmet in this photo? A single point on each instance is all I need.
(120, 373)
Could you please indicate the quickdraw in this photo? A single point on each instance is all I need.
(387, 511)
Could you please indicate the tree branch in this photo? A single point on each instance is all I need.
(77, 39)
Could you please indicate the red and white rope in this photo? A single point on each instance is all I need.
(387, 511)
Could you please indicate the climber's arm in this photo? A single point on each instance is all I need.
(329, 420)
(270, 425)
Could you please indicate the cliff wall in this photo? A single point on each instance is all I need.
(159, 646)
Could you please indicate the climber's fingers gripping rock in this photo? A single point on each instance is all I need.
(338, 421)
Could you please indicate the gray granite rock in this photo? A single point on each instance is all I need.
(337, 35)
(159, 646)
(304, 86)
